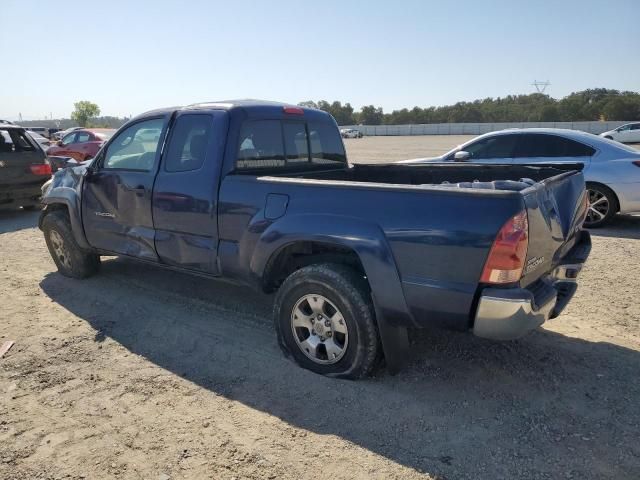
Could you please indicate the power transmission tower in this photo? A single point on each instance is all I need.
(541, 86)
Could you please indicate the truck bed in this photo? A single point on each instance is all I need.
(489, 177)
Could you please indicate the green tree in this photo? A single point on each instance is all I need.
(308, 104)
(84, 110)
(370, 115)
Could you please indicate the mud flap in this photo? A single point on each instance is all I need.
(395, 343)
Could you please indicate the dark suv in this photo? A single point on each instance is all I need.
(23, 168)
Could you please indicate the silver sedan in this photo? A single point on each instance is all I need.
(611, 169)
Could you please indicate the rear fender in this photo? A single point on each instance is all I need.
(369, 243)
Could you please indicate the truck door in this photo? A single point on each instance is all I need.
(116, 200)
(185, 195)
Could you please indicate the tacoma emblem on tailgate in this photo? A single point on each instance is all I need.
(533, 263)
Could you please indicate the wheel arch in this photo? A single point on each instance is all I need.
(65, 198)
(361, 244)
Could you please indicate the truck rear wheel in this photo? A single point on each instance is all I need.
(71, 260)
(325, 320)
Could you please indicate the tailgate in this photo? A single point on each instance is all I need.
(556, 208)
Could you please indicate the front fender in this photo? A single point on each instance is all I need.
(66, 190)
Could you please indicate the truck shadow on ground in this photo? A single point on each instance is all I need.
(548, 404)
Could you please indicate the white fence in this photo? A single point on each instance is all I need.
(478, 128)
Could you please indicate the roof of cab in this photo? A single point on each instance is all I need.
(246, 104)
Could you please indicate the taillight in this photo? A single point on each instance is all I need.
(293, 110)
(508, 252)
(40, 169)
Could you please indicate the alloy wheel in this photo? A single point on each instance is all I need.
(60, 249)
(319, 329)
(598, 207)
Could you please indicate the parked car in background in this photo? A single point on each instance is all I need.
(350, 133)
(6, 122)
(629, 133)
(44, 131)
(42, 141)
(81, 144)
(59, 135)
(611, 169)
(261, 193)
(23, 168)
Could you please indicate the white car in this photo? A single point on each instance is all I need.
(628, 133)
(42, 141)
(611, 169)
(59, 135)
(350, 133)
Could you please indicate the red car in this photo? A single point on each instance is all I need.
(81, 144)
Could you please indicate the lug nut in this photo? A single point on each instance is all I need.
(327, 323)
(329, 334)
(313, 332)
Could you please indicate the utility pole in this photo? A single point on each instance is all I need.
(541, 86)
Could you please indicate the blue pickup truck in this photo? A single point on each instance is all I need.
(262, 193)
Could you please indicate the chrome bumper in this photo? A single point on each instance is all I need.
(510, 313)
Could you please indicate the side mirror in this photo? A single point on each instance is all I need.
(461, 156)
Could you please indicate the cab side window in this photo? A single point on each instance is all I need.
(187, 148)
(135, 147)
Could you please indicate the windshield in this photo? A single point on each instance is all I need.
(105, 135)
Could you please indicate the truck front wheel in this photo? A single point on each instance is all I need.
(71, 260)
(325, 320)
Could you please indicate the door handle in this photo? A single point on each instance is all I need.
(139, 190)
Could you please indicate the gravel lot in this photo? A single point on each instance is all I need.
(143, 373)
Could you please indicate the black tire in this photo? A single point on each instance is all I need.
(349, 292)
(596, 192)
(71, 260)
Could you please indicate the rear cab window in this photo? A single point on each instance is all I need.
(288, 145)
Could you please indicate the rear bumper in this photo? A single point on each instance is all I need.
(510, 313)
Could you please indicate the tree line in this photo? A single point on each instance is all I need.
(591, 104)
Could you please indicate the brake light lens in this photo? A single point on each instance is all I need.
(508, 252)
(40, 169)
(293, 110)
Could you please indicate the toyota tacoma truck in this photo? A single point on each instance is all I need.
(262, 193)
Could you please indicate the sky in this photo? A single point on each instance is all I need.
(133, 56)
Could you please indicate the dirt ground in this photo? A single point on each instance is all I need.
(142, 373)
